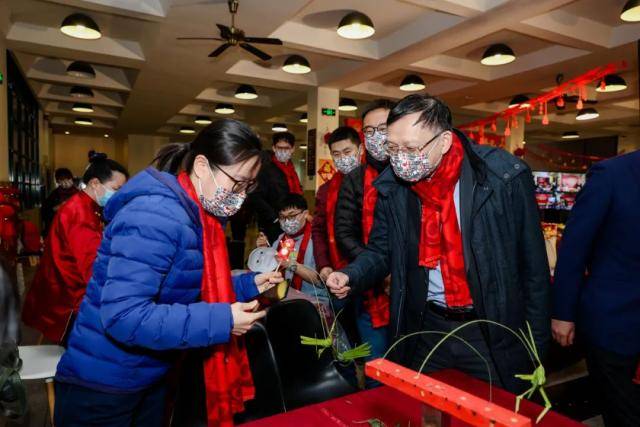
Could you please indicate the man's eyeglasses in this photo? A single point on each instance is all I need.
(394, 149)
(370, 130)
(290, 216)
(240, 186)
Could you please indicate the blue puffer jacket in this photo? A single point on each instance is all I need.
(143, 297)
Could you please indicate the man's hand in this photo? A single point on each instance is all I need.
(262, 241)
(563, 332)
(337, 283)
(267, 280)
(244, 316)
(325, 272)
(387, 285)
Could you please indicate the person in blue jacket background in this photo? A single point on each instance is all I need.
(144, 297)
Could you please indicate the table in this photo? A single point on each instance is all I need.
(395, 408)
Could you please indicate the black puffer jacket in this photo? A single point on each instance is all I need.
(348, 219)
(504, 254)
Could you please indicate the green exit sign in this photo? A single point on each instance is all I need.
(328, 111)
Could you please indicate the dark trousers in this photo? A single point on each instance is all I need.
(78, 406)
(453, 353)
(612, 376)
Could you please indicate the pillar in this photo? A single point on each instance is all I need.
(319, 98)
(515, 140)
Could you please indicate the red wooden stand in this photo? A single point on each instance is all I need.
(443, 397)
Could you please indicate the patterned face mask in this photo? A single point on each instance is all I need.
(224, 203)
(376, 145)
(413, 167)
(291, 226)
(283, 156)
(346, 164)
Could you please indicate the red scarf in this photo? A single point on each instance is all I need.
(297, 280)
(227, 377)
(290, 173)
(337, 260)
(376, 302)
(440, 237)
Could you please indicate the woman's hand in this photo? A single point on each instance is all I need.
(262, 241)
(265, 281)
(244, 316)
(325, 272)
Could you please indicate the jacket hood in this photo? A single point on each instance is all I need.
(149, 182)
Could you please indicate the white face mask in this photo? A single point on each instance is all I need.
(291, 226)
(376, 146)
(413, 167)
(224, 203)
(283, 156)
(346, 164)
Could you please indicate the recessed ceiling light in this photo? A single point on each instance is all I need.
(80, 26)
(81, 70)
(631, 11)
(520, 100)
(79, 107)
(203, 120)
(303, 147)
(66, 132)
(498, 54)
(611, 83)
(223, 108)
(81, 92)
(356, 25)
(304, 118)
(347, 104)
(106, 135)
(412, 83)
(83, 121)
(187, 130)
(296, 64)
(587, 114)
(246, 92)
(279, 127)
(572, 134)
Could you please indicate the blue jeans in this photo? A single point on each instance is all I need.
(78, 406)
(377, 337)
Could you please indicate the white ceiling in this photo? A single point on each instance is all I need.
(149, 82)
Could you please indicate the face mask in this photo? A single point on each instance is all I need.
(346, 164)
(413, 167)
(376, 146)
(108, 193)
(283, 156)
(224, 202)
(291, 226)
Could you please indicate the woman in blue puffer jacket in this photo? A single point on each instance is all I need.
(161, 282)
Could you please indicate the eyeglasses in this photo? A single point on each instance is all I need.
(290, 216)
(240, 186)
(394, 149)
(370, 130)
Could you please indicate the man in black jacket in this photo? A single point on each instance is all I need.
(470, 247)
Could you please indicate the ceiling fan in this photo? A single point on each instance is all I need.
(233, 36)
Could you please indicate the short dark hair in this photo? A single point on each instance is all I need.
(284, 136)
(377, 104)
(62, 173)
(102, 168)
(293, 200)
(344, 132)
(434, 112)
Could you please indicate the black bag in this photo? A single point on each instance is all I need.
(13, 396)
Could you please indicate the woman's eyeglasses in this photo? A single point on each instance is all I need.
(240, 186)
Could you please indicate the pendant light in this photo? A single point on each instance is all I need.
(304, 118)
(83, 121)
(296, 64)
(303, 147)
(81, 70)
(631, 11)
(223, 108)
(520, 100)
(106, 135)
(498, 54)
(611, 83)
(80, 107)
(347, 104)
(412, 83)
(572, 134)
(202, 120)
(187, 130)
(81, 92)
(587, 114)
(246, 92)
(356, 26)
(279, 127)
(66, 132)
(80, 26)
